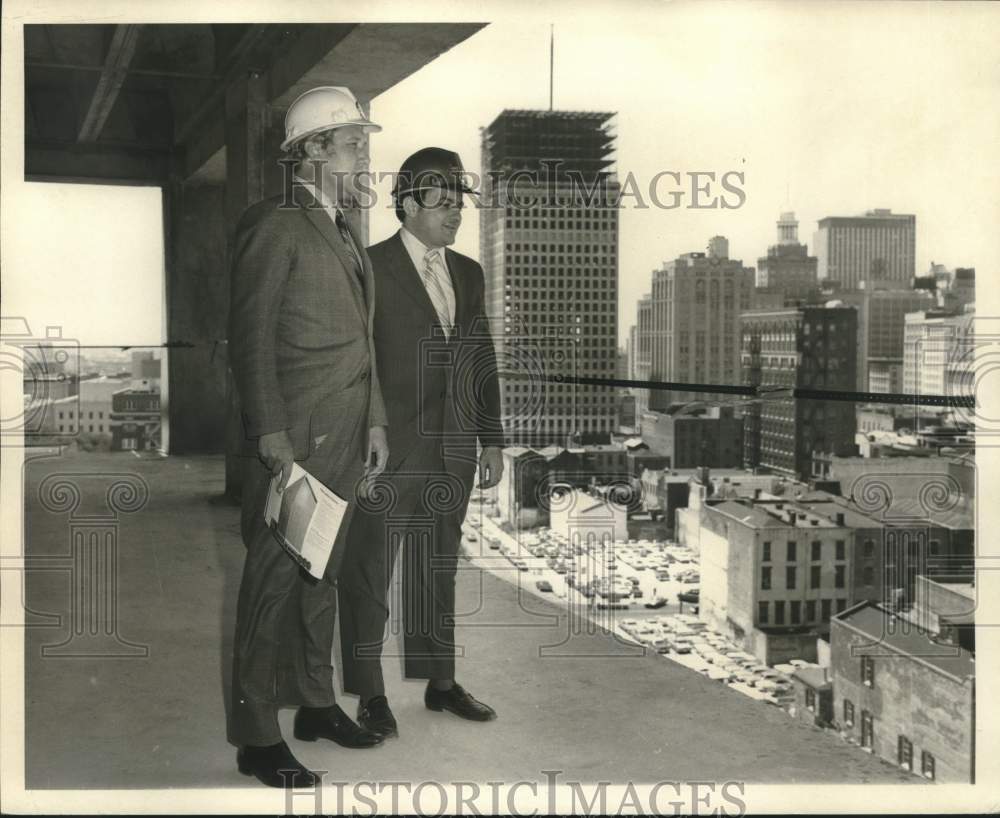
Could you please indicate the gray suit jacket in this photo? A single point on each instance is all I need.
(300, 332)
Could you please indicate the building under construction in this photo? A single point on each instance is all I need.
(549, 248)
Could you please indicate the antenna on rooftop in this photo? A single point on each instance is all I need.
(552, 57)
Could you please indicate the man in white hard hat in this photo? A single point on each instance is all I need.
(302, 355)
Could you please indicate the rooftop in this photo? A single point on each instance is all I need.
(813, 676)
(906, 640)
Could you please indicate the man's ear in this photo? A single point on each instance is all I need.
(313, 146)
(410, 206)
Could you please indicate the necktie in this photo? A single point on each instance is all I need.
(438, 288)
(345, 234)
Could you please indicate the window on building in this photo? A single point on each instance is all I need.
(790, 576)
(790, 556)
(765, 553)
(810, 610)
(796, 611)
(869, 549)
(762, 613)
(779, 612)
(904, 753)
(841, 605)
(927, 765)
(817, 550)
(868, 671)
(839, 576)
(810, 700)
(867, 730)
(848, 713)
(841, 550)
(869, 575)
(765, 578)
(935, 547)
(825, 606)
(814, 576)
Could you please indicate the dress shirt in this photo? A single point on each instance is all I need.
(333, 212)
(417, 251)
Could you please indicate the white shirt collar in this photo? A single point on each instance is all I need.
(319, 195)
(417, 249)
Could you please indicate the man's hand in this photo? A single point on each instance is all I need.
(490, 467)
(275, 451)
(378, 453)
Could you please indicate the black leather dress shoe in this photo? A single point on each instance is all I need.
(376, 716)
(457, 701)
(333, 723)
(275, 766)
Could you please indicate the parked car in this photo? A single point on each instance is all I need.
(681, 645)
(692, 596)
(544, 585)
(659, 602)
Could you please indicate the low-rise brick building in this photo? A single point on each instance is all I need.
(903, 695)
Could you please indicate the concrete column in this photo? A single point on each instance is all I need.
(198, 299)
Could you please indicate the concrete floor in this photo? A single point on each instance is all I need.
(588, 704)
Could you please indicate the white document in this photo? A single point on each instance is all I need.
(305, 519)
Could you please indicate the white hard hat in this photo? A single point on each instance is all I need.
(323, 108)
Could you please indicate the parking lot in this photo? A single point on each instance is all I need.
(616, 586)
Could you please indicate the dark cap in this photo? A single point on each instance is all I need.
(431, 167)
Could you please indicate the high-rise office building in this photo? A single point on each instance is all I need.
(787, 268)
(882, 307)
(696, 304)
(641, 351)
(805, 347)
(879, 244)
(549, 249)
(938, 353)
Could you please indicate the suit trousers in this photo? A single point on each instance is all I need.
(425, 524)
(285, 620)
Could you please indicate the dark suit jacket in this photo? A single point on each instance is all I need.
(300, 332)
(441, 396)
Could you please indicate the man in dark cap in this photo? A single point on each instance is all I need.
(437, 368)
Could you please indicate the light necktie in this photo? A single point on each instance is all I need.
(435, 280)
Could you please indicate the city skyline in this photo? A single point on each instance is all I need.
(797, 153)
(865, 127)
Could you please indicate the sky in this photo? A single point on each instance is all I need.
(826, 108)
(87, 259)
